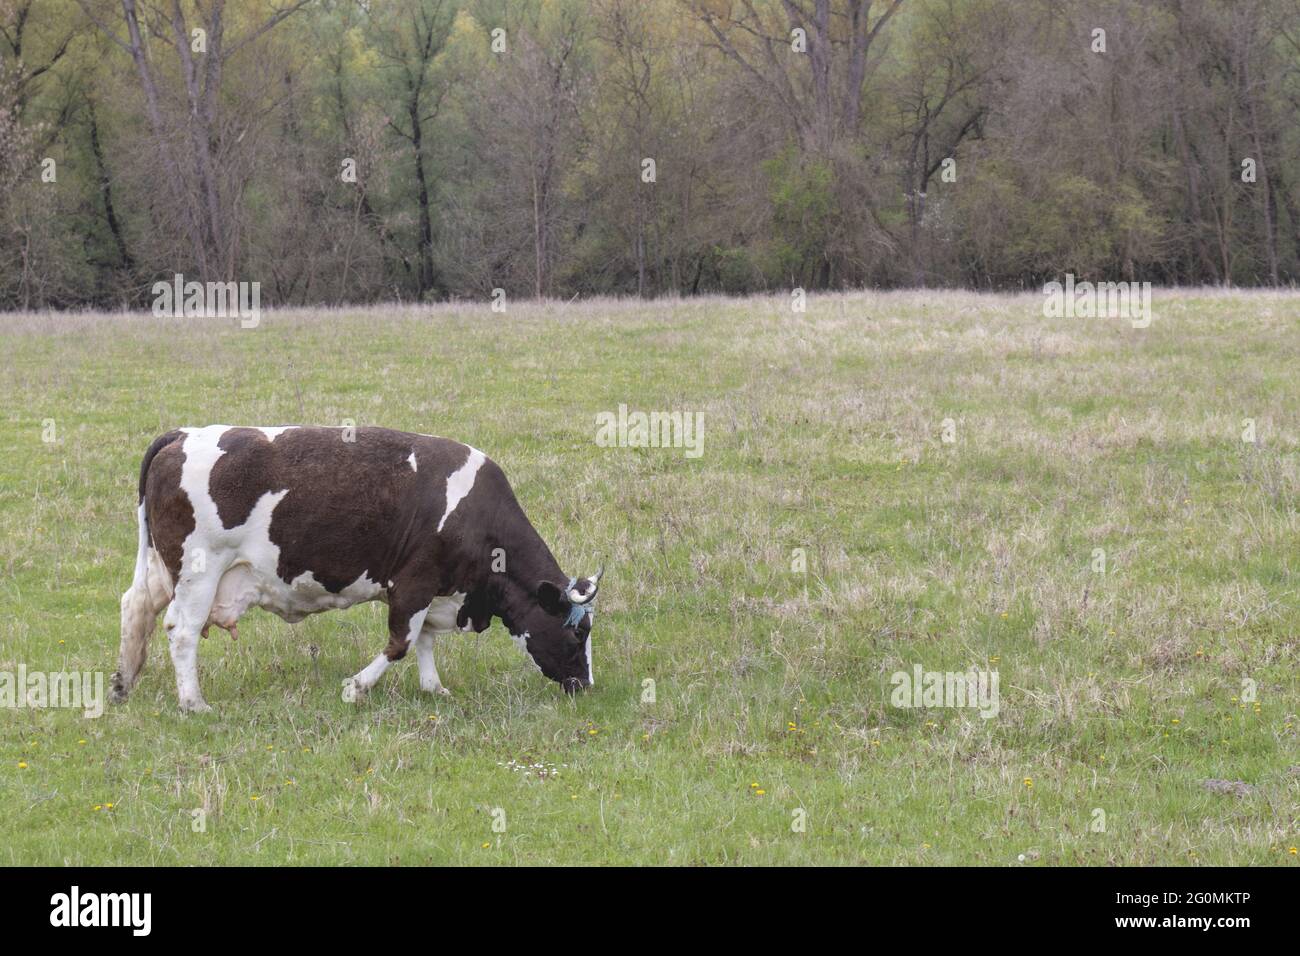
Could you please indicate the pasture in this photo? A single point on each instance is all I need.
(828, 537)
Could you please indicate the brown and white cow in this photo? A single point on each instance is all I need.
(302, 519)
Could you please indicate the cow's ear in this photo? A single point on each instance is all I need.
(551, 597)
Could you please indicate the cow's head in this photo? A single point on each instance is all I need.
(557, 631)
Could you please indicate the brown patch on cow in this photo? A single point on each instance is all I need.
(168, 509)
(351, 507)
(239, 478)
(397, 643)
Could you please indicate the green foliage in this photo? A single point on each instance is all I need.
(803, 207)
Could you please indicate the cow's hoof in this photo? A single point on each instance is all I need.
(352, 691)
(117, 693)
(439, 689)
(199, 706)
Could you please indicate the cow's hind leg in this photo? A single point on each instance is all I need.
(148, 594)
(140, 611)
(403, 628)
(185, 619)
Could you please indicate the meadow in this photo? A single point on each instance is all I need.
(888, 480)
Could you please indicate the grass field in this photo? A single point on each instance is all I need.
(1121, 692)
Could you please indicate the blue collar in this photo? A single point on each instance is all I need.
(578, 610)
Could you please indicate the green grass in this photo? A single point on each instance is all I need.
(1119, 691)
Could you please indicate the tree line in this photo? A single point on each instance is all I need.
(343, 151)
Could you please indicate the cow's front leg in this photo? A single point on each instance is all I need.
(429, 680)
(403, 628)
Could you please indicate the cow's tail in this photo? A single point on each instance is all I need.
(140, 603)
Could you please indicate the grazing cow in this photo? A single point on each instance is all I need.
(300, 520)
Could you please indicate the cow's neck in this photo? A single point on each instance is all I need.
(528, 562)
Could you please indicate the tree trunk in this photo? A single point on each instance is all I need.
(422, 187)
(154, 113)
(106, 191)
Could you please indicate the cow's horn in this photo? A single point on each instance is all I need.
(586, 597)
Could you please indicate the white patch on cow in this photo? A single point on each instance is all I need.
(460, 482)
(412, 461)
(201, 454)
(582, 596)
(160, 580)
(305, 595)
(244, 560)
(521, 642)
(274, 432)
(591, 678)
(252, 539)
(441, 616)
(359, 591)
(142, 550)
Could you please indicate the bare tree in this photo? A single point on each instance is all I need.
(820, 92)
(527, 129)
(202, 54)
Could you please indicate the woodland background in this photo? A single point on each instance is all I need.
(221, 155)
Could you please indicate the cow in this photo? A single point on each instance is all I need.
(301, 519)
